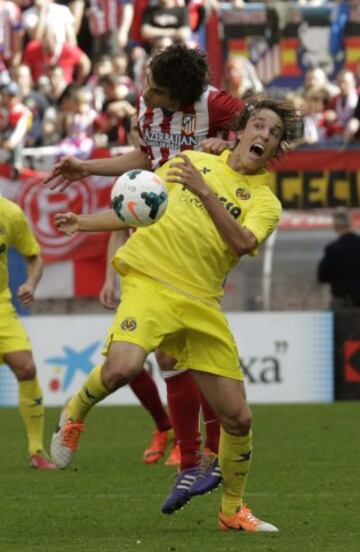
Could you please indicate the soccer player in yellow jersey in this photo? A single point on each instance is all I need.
(15, 347)
(220, 208)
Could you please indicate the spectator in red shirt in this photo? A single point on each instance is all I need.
(39, 55)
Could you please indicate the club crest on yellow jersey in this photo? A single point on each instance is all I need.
(241, 193)
(128, 324)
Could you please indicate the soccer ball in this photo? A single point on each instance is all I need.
(139, 198)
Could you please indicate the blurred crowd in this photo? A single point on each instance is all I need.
(71, 72)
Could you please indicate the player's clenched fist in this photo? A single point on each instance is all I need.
(25, 294)
(67, 223)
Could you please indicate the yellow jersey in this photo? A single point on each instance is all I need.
(184, 249)
(15, 231)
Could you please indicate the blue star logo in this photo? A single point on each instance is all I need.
(73, 361)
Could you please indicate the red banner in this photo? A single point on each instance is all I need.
(81, 257)
(320, 160)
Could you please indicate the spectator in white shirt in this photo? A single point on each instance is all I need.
(46, 14)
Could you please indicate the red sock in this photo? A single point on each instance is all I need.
(184, 406)
(146, 391)
(212, 426)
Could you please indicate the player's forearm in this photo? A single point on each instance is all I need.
(38, 32)
(127, 18)
(19, 132)
(35, 267)
(115, 166)
(116, 240)
(77, 9)
(83, 69)
(240, 240)
(149, 32)
(103, 221)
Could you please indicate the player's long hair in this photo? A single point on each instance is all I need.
(183, 71)
(288, 112)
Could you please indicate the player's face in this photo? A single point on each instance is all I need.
(260, 140)
(158, 96)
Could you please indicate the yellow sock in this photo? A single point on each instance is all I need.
(91, 393)
(32, 412)
(234, 461)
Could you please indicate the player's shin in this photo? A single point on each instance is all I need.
(234, 459)
(32, 413)
(92, 392)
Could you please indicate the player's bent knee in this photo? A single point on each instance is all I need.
(123, 363)
(238, 423)
(26, 373)
(120, 373)
(22, 365)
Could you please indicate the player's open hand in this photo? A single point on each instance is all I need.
(67, 223)
(214, 145)
(183, 172)
(66, 171)
(25, 294)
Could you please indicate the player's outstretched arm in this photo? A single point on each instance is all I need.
(107, 295)
(66, 171)
(70, 169)
(103, 221)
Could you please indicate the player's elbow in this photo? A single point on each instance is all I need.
(245, 245)
(147, 32)
(35, 260)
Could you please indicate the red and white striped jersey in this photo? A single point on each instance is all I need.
(10, 21)
(105, 15)
(15, 123)
(163, 134)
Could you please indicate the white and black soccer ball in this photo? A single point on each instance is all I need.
(139, 198)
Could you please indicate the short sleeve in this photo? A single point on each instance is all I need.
(22, 237)
(263, 219)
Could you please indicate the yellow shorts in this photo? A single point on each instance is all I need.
(12, 333)
(152, 316)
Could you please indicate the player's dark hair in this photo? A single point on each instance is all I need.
(288, 112)
(183, 71)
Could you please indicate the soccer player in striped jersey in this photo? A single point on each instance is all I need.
(15, 347)
(177, 111)
(221, 208)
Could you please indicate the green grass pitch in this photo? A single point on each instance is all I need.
(305, 478)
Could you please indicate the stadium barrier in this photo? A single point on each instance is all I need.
(347, 354)
(286, 357)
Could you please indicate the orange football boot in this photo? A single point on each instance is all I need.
(244, 520)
